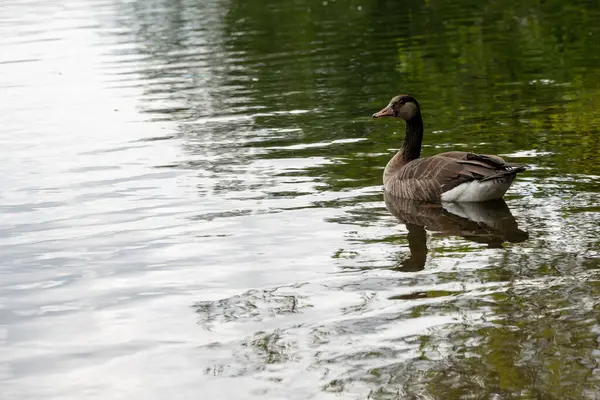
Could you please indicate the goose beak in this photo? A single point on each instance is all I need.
(386, 112)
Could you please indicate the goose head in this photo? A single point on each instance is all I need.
(403, 106)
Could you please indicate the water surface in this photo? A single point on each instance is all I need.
(191, 201)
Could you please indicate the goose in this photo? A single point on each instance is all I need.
(454, 176)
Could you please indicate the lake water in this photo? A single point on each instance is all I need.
(191, 203)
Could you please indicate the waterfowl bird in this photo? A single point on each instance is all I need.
(454, 176)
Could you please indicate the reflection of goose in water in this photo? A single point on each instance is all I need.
(490, 222)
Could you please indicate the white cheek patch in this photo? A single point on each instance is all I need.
(408, 110)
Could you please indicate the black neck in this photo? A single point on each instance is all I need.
(411, 148)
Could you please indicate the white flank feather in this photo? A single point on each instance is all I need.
(479, 191)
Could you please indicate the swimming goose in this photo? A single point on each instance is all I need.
(454, 176)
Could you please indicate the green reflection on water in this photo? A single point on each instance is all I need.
(495, 77)
(519, 79)
(514, 78)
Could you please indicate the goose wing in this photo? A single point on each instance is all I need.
(468, 156)
(427, 178)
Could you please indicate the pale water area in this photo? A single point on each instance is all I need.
(191, 203)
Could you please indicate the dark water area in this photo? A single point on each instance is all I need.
(191, 202)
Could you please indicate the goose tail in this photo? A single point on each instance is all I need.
(509, 169)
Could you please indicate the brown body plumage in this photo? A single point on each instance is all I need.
(450, 176)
